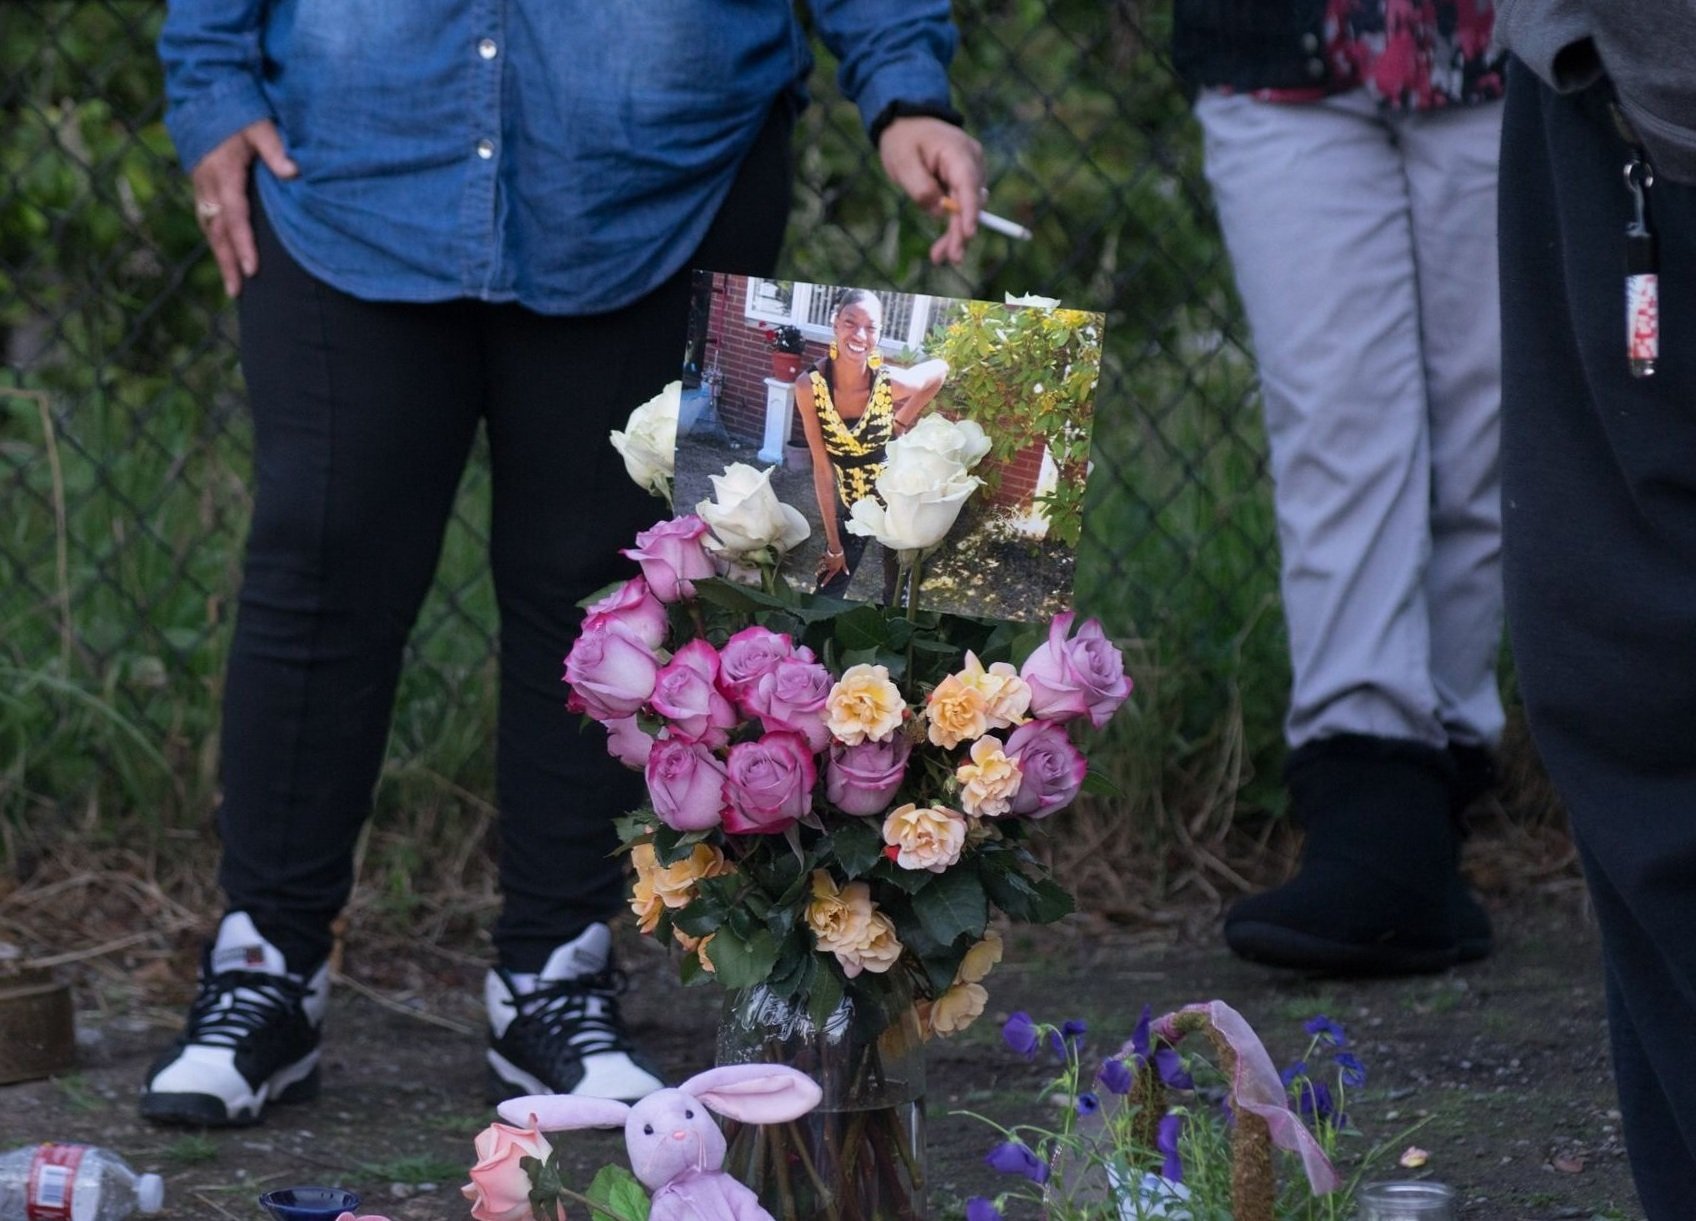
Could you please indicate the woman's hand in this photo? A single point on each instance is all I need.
(831, 563)
(220, 197)
(933, 160)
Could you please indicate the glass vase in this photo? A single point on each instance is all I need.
(860, 1154)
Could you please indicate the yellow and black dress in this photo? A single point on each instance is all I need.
(856, 451)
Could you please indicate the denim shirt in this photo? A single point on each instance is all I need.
(565, 154)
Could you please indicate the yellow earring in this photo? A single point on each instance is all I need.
(833, 349)
(874, 360)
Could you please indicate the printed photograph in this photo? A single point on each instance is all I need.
(896, 447)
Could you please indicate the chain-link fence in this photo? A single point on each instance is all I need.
(124, 449)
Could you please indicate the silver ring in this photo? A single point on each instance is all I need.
(207, 209)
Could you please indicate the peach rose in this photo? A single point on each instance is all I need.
(1006, 696)
(644, 900)
(990, 781)
(957, 713)
(927, 837)
(957, 1008)
(674, 884)
(696, 946)
(979, 959)
(878, 951)
(864, 706)
(499, 1189)
(833, 913)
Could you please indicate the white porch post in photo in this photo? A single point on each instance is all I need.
(780, 409)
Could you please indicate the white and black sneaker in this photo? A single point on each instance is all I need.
(558, 1032)
(251, 1037)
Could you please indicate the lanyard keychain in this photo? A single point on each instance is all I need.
(1642, 284)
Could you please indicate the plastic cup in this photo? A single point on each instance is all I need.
(309, 1203)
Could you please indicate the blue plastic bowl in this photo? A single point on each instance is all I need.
(309, 1203)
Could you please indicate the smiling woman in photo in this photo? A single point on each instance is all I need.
(851, 406)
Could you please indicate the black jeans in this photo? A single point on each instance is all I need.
(364, 414)
(1599, 498)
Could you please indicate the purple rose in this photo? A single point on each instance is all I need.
(862, 779)
(1083, 676)
(792, 695)
(749, 656)
(634, 608)
(1051, 769)
(673, 557)
(768, 784)
(627, 743)
(611, 673)
(686, 784)
(686, 693)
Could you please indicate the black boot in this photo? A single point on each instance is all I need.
(1379, 890)
(1474, 774)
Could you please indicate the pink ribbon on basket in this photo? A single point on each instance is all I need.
(1256, 1087)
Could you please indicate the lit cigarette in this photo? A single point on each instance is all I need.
(990, 220)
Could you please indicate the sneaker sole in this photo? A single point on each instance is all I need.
(211, 1111)
(505, 1079)
(1276, 946)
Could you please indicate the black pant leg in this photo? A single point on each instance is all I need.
(1599, 498)
(563, 506)
(363, 414)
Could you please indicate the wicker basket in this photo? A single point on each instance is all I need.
(37, 1032)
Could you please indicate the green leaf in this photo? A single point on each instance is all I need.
(672, 846)
(616, 1190)
(859, 846)
(742, 963)
(862, 628)
(952, 905)
(1100, 785)
(825, 994)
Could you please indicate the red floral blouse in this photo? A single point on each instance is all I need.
(1409, 54)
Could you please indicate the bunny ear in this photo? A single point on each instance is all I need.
(562, 1112)
(755, 1093)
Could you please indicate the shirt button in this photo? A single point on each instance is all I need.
(487, 48)
(485, 149)
(1316, 68)
(1309, 43)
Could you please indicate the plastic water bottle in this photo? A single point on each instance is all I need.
(73, 1183)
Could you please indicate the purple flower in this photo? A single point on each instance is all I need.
(1327, 1030)
(1288, 1076)
(1167, 1062)
(1166, 1140)
(980, 1209)
(1354, 1072)
(1115, 1074)
(1012, 1157)
(1019, 1033)
(1314, 1102)
(1070, 1030)
(1088, 1104)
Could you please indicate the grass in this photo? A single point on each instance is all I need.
(192, 1150)
(415, 1169)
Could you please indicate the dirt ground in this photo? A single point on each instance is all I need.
(1508, 1056)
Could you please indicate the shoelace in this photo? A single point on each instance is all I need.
(232, 1005)
(563, 1009)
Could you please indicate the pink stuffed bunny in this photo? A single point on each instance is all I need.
(676, 1150)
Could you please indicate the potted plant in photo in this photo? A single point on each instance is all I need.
(787, 345)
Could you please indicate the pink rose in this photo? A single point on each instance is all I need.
(1052, 768)
(768, 784)
(747, 657)
(633, 607)
(686, 693)
(1077, 677)
(611, 673)
(673, 557)
(499, 1189)
(686, 784)
(863, 779)
(627, 743)
(792, 695)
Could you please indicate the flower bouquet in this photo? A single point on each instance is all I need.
(839, 797)
(1159, 1130)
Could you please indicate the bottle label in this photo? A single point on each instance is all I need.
(52, 1174)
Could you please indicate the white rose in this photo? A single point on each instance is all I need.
(962, 442)
(1033, 299)
(648, 443)
(918, 508)
(746, 516)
